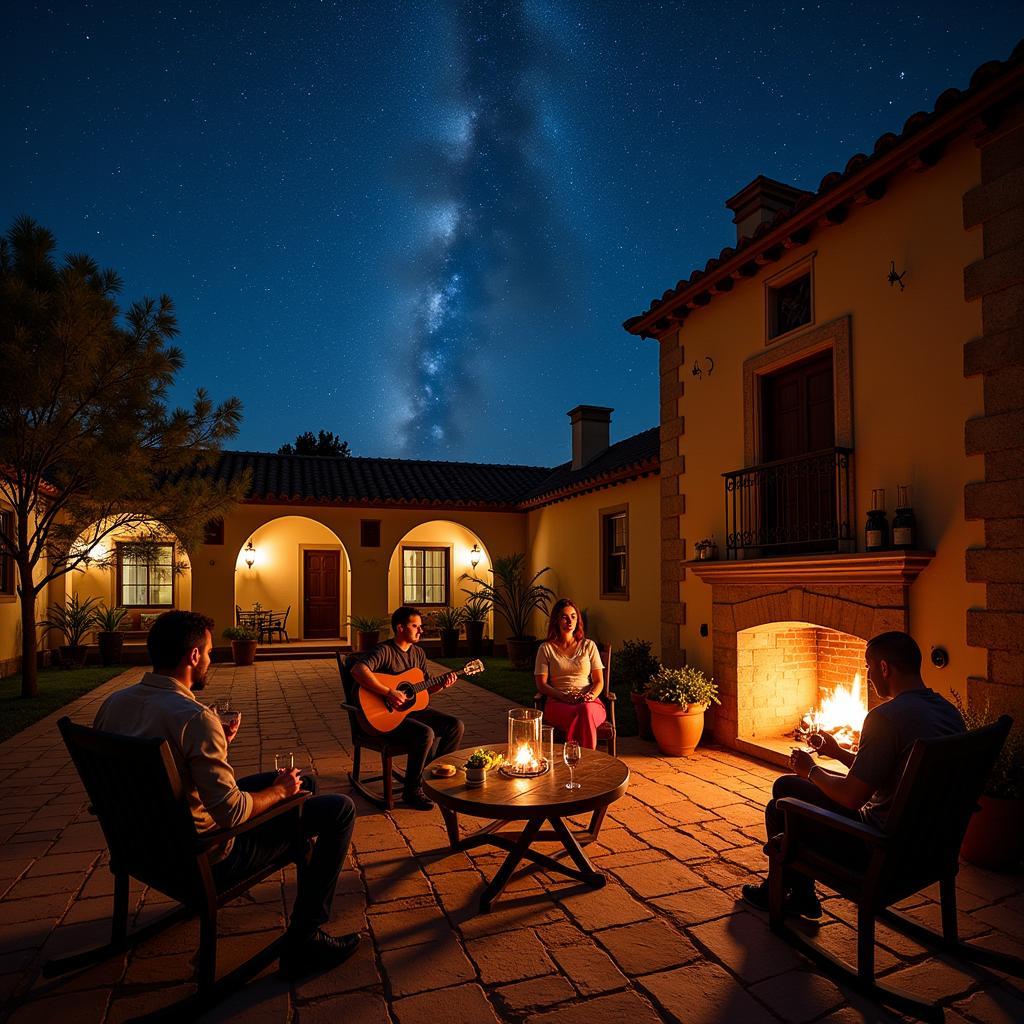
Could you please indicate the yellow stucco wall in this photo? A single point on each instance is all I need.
(910, 398)
(566, 537)
(215, 578)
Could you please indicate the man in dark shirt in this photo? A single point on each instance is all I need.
(911, 712)
(425, 734)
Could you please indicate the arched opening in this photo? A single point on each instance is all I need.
(427, 563)
(298, 570)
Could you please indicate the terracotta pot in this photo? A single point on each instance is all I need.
(449, 643)
(243, 651)
(73, 655)
(367, 641)
(643, 715)
(521, 651)
(995, 834)
(677, 727)
(110, 645)
(475, 638)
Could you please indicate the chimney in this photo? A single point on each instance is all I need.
(589, 433)
(758, 202)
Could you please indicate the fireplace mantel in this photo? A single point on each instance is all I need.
(901, 567)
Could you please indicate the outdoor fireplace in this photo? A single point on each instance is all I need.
(795, 676)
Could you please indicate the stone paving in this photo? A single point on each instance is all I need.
(666, 940)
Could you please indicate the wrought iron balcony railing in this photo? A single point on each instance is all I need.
(793, 506)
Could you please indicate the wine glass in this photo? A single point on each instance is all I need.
(284, 762)
(571, 755)
(814, 737)
(227, 715)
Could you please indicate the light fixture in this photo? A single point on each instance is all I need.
(474, 555)
(250, 554)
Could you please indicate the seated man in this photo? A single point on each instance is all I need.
(426, 734)
(164, 705)
(911, 712)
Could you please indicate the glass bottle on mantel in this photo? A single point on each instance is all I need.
(876, 529)
(904, 525)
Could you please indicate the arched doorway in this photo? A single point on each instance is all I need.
(298, 568)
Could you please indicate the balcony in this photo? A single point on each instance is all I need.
(802, 505)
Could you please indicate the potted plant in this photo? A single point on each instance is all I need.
(634, 666)
(706, 550)
(478, 764)
(677, 699)
(72, 620)
(368, 629)
(995, 833)
(108, 639)
(243, 644)
(476, 609)
(448, 622)
(515, 599)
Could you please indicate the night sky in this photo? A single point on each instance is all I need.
(421, 225)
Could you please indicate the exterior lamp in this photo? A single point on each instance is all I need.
(474, 555)
(250, 554)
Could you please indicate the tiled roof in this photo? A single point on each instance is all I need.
(632, 457)
(862, 180)
(305, 479)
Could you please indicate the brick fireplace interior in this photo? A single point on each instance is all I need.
(783, 669)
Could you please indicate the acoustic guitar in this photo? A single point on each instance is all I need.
(413, 687)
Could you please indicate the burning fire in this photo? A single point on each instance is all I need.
(525, 760)
(842, 713)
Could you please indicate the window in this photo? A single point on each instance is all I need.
(6, 562)
(369, 533)
(425, 576)
(789, 299)
(145, 575)
(615, 552)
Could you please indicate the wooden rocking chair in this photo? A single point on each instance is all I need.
(137, 794)
(918, 847)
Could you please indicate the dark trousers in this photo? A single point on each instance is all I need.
(426, 734)
(327, 819)
(834, 845)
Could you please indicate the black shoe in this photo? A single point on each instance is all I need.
(804, 904)
(418, 800)
(316, 952)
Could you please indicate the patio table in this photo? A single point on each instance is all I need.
(544, 798)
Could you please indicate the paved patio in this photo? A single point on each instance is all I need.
(666, 940)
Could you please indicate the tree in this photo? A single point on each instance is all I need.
(88, 446)
(324, 443)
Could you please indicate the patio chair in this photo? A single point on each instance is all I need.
(606, 731)
(875, 868)
(277, 623)
(364, 738)
(137, 794)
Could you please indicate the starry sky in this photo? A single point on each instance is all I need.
(421, 225)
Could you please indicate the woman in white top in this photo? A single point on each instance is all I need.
(570, 674)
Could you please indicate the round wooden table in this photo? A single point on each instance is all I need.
(602, 779)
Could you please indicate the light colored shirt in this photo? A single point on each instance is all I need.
(159, 706)
(567, 673)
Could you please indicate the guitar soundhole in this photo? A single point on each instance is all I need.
(406, 691)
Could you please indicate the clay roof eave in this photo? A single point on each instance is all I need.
(964, 110)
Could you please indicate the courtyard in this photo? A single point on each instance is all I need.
(667, 939)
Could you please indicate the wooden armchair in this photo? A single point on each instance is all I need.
(606, 734)
(363, 738)
(137, 794)
(918, 847)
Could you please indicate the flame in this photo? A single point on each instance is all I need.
(842, 713)
(524, 757)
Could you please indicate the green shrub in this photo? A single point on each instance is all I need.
(635, 664)
(686, 685)
(239, 633)
(1006, 780)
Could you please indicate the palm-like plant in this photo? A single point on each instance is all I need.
(73, 619)
(107, 620)
(511, 595)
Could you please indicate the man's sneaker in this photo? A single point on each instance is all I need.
(418, 800)
(804, 904)
(317, 952)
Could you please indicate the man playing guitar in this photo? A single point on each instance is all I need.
(426, 734)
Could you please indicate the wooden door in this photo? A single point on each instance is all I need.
(321, 594)
(798, 419)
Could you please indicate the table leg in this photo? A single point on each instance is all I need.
(515, 855)
(451, 823)
(580, 859)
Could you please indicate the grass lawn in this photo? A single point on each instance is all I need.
(57, 687)
(500, 677)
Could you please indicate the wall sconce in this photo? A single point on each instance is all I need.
(474, 555)
(698, 371)
(250, 554)
(895, 278)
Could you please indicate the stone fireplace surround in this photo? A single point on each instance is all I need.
(859, 595)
